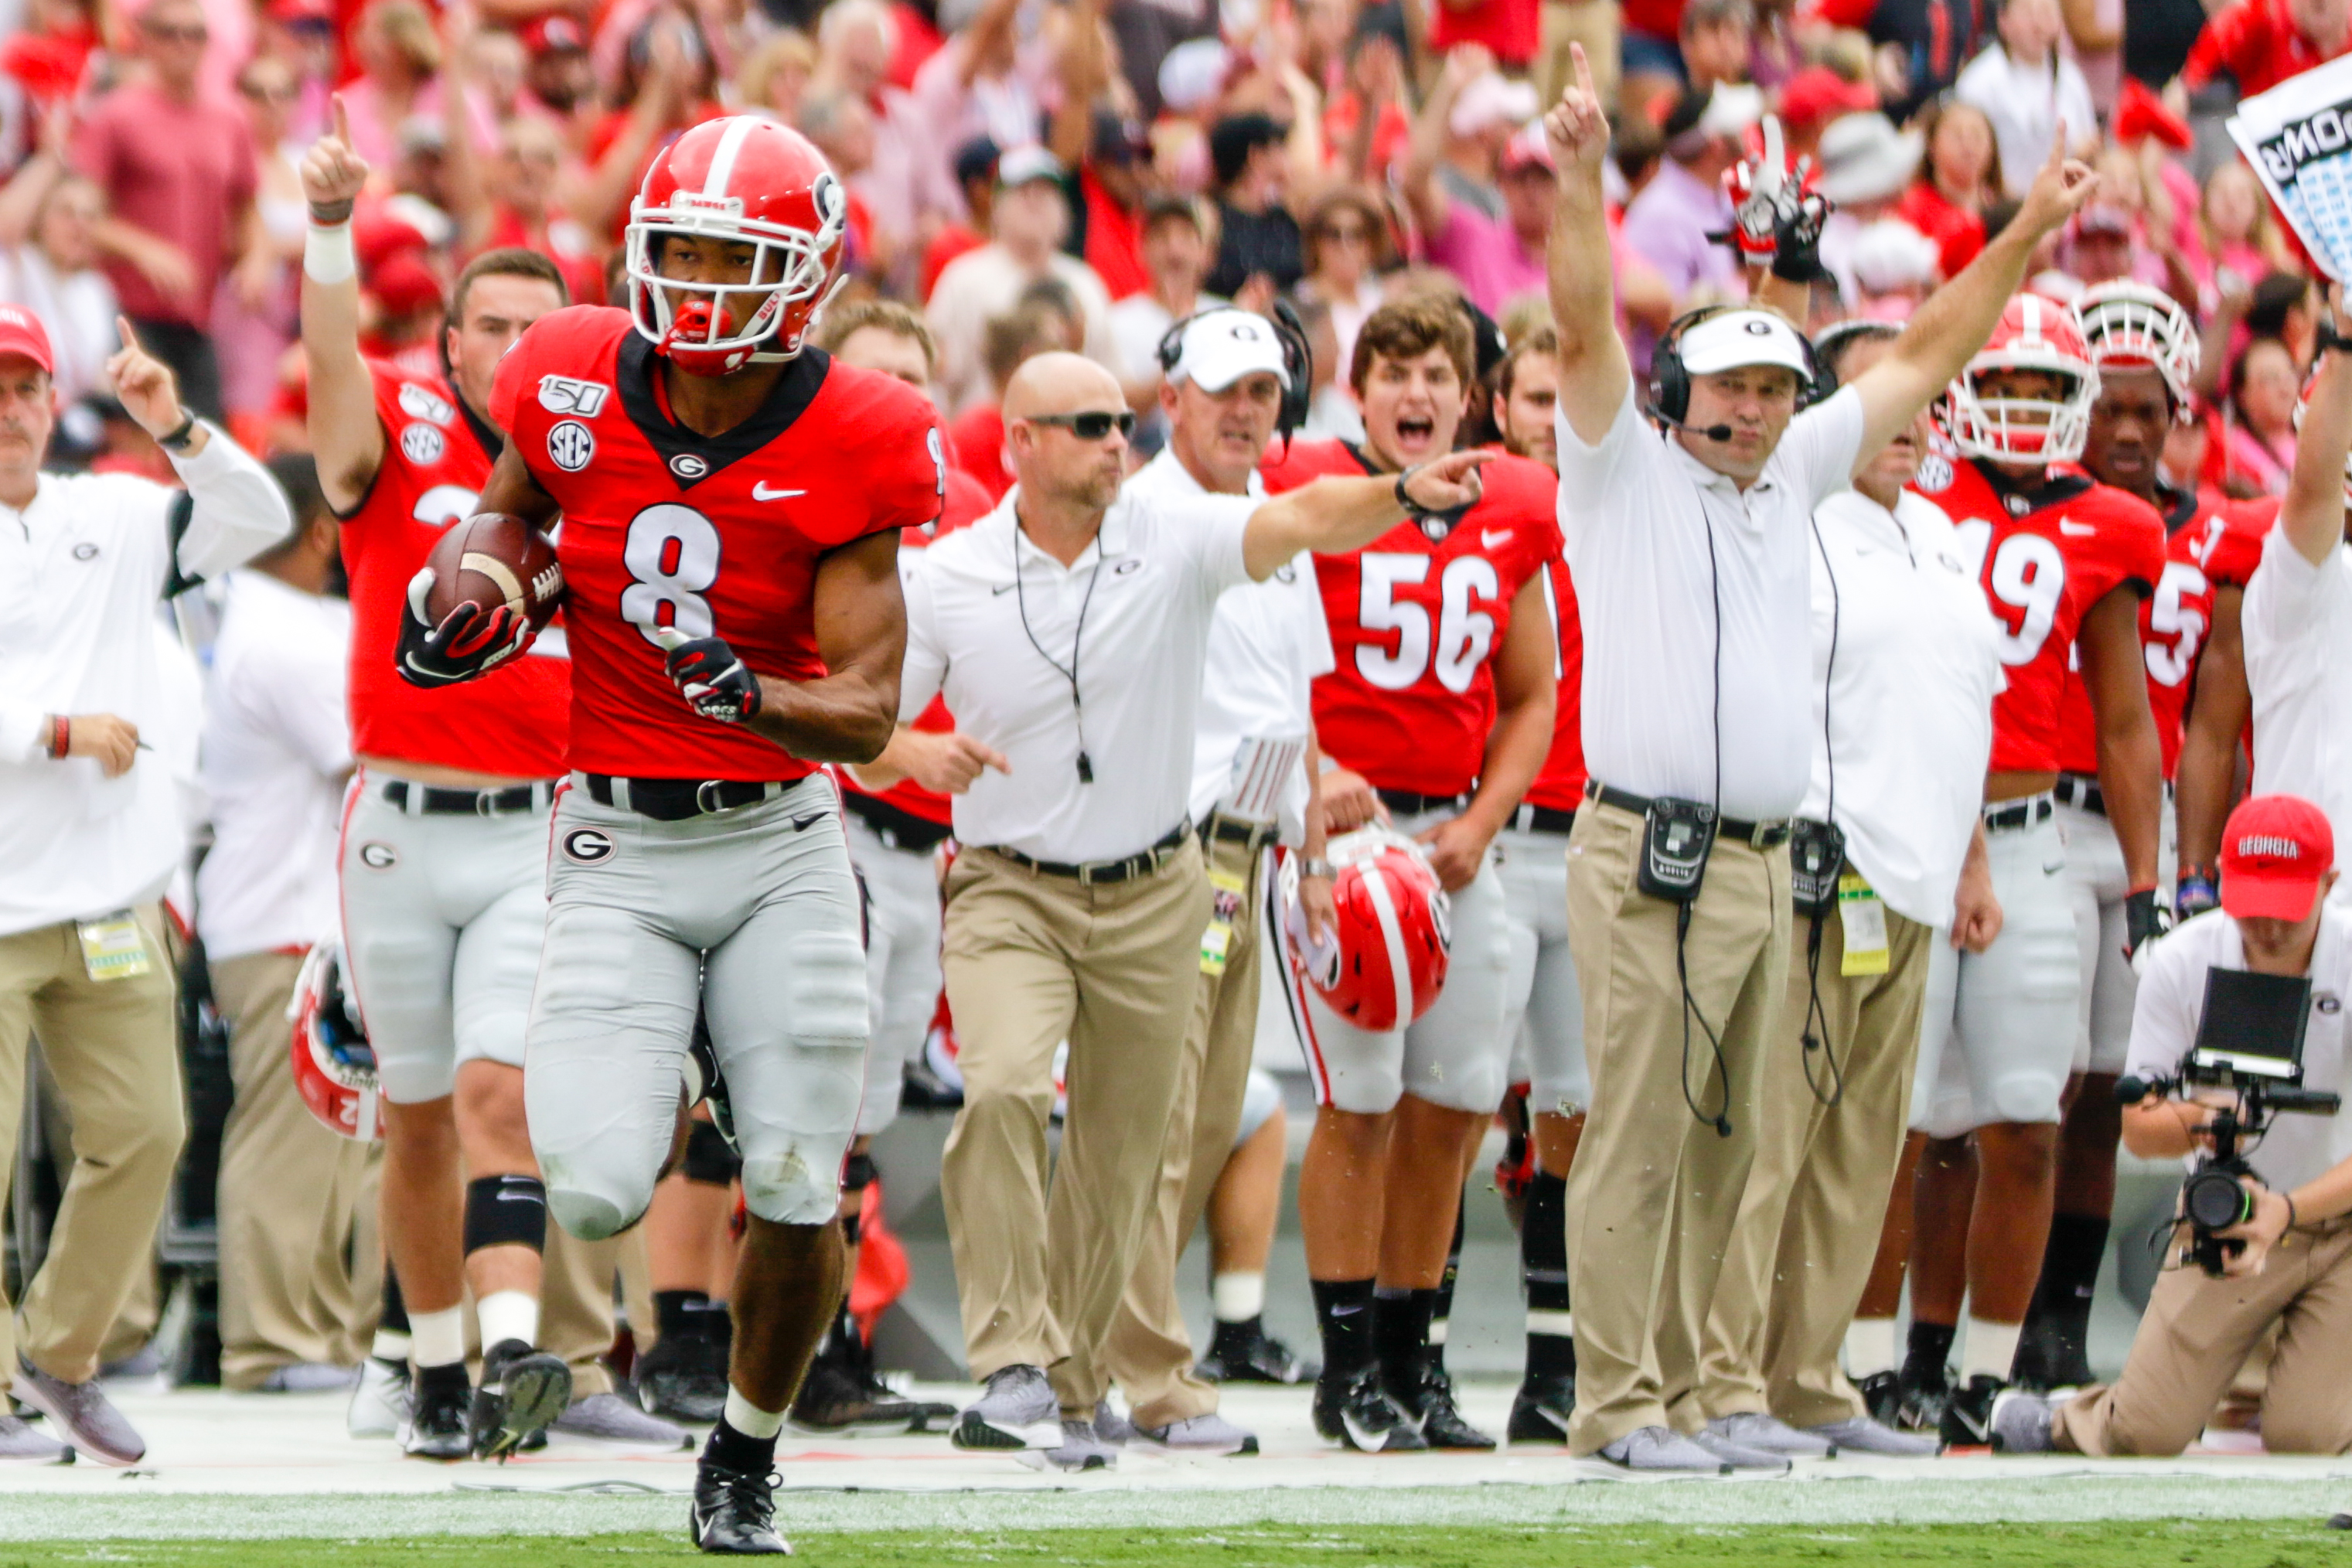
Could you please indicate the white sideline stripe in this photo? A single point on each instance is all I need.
(722, 163)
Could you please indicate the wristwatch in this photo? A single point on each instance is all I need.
(176, 439)
(1316, 869)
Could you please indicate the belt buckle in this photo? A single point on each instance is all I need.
(706, 797)
(485, 802)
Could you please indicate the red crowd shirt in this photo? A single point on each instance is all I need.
(1560, 785)
(1512, 29)
(2255, 41)
(1415, 623)
(1959, 233)
(708, 534)
(511, 721)
(2044, 556)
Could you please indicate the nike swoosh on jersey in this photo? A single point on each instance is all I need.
(762, 492)
(799, 822)
(1002, 588)
(1491, 537)
(2075, 529)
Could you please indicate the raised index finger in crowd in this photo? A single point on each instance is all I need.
(343, 121)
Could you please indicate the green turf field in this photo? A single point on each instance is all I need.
(2269, 1543)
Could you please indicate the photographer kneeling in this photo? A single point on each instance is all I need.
(2289, 1261)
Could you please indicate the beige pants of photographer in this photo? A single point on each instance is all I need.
(2196, 1333)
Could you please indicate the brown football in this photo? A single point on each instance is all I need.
(494, 558)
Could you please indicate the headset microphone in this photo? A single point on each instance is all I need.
(1711, 432)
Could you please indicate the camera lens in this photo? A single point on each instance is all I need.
(2214, 1200)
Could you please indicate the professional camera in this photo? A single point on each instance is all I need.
(2250, 1042)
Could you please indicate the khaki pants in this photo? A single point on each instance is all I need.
(1031, 960)
(1151, 1350)
(1655, 1190)
(291, 1194)
(2196, 1334)
(113, 1048)
(575, 1303)
(1802, 1252)
(1593, 23)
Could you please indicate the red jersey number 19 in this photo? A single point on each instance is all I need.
(1465, 634)
(2028, 576)
(673, 553)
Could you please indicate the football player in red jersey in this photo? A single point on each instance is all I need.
(443, 865)
(1443, 701)
(2221, 712)
(1547, 1023)
(2145, 348)
(731, 507)
(2065, 561)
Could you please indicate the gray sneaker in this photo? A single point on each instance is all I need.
(1862, 1434)
(379, 1404)
(1017, 1409)
(2021, 1422)
(1209, 1434)
(1661, 1449)
(308, 1377)
(1079, 1449)
(84, 1416)
(1739, 1456)
(1754, 1429)
(1112, 1427)
(20, 1445)
(609, 1418)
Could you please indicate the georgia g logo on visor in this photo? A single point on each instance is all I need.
(587, 846)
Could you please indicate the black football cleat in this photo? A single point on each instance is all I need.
(523, 1390)
(921, 1088)
(734, 1512)
(1920, 1401)
(1246, 1353)
(714, 1087)
(683, 1378)
(841, 1395)
(1882, 1394)
(1350, 1408)
(435, 1426)
(1968, 1416)
(1428, 1403)
(1540, 1410)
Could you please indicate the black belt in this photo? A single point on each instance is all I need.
(2009, 816)
(426, 800)
(1756, 834)
(2081, 793)
(1405, 802)
(1096, 872)
(1224, 829)
(1542, 819)
(677, 800)
(897, 827)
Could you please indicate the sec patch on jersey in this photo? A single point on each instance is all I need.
(494, 559)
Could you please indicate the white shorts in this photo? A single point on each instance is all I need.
(1261, 1098)
(2097, 883)
(1997, 1037)
(1544, 1017)
(1455, 1054)
(441, 920)
(902, 962)
(750, 913)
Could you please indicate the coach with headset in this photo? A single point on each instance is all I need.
(1688, 542)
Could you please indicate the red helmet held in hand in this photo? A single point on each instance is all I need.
(334, 1065)
(741, 181)
(1389, 963)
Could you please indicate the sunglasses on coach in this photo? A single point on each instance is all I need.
(1091, 426)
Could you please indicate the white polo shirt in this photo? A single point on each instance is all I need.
(1267, 642)
(2171, 1004)
(1906, 661)
(1001, 647)
(277, 746)
(1637, 512)
(2297, 620)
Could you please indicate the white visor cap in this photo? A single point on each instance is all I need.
(1217, 348)
(1740, 337)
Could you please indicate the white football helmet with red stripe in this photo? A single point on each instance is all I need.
(334, 1065)
(1389, 963)
(748, 181)
(2034, 333)
(2132, 325)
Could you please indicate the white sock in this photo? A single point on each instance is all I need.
(508, 1315)
(1551, 1321)
(1869, 1347)
(748, 1418)
(1992, 1347)
(390, 1344)
(437, 1339)
(1237, 1297)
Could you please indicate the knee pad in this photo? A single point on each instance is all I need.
(590, 1216)
(506, 1211)
(2024, 1097)
(708, 1160)
(800, 1186)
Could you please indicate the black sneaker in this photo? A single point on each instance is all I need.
(1246, 1353)
(1968, 1417)
(1350, 1408)
(921, 1088)
(1920, 1401)
(435, 1426)
(523, 1390)
(839, 1397)
(1428, 1403)
(714, 1087)
(684, 1378)
(1882, 1393)
(734, 1512)
(922, 1413)
(1540, 1410)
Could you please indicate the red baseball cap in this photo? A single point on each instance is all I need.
(1817, 95)
(21, 332)
(554, 32)
(2275, 851)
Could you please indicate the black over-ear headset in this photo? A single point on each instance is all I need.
(1670, 379)
(1289, 335)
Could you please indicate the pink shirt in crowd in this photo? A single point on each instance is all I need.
(182, 171)
(1486, 254)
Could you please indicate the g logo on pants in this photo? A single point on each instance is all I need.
(587, 846)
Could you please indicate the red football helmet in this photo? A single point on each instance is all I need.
(334, 1067)
(2131, 324)
(2034, 333)
(1389, 963)
(746, 181)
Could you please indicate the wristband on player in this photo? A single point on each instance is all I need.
(2199, 890)
(61, 736)
(327, 254)
(1316, 869)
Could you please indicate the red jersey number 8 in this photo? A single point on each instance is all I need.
(672, 551)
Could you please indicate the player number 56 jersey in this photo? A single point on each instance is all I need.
(666, 527)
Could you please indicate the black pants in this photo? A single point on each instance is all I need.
(189, 352)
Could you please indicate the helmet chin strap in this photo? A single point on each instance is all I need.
(840, 282)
